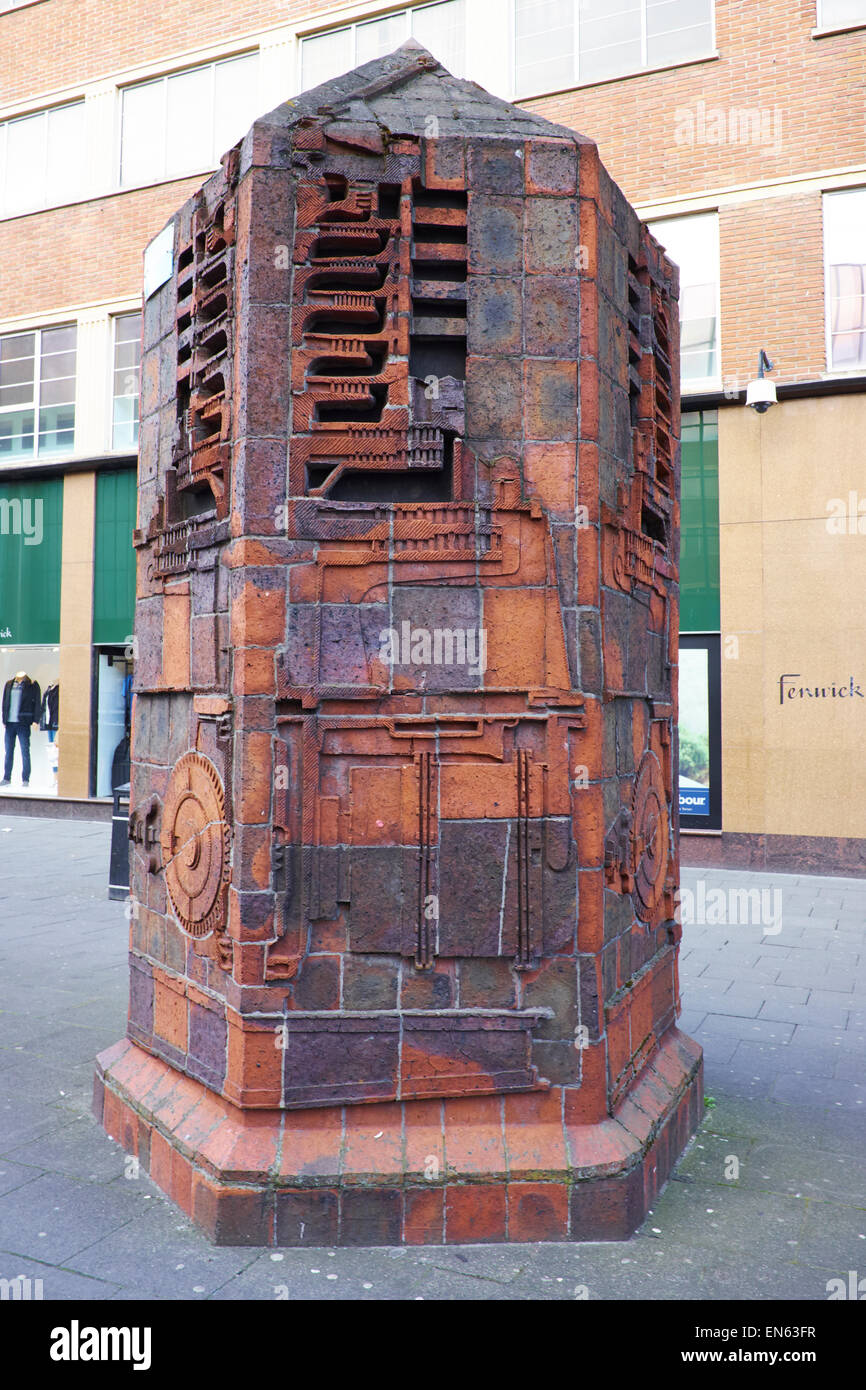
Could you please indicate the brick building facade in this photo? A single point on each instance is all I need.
(735, 129)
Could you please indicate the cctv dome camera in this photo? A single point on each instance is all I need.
(760, 393)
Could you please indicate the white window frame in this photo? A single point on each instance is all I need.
(22, 460)
(832, 26)
(860, 368)
(45, 201)
(697, 386)
(115, 318)
(162, 80)
(303, 36)
(518, 94)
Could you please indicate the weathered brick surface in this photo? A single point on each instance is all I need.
(402, 782)
(520, 1170)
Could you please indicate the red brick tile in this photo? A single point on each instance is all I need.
(232, 1216)
(170, 1013)
(312, 1143)
(423, 1215)
(307, 1216)
(606, 1147)
(551, 471)
(242, 1149)
(371, 1217)
(374, 1142)
(537, 1211)
(475, 1213)
(474, 1141)
(160, 1160)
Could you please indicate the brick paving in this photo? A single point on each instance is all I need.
(768, 1202)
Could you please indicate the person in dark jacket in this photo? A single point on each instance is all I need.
(22, 707)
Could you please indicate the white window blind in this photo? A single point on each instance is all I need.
(562, 43)
(693, 244)
(441, 28)
(42, 160)
(184, 122)
(834, 14)
(126, 376)
(845, 278)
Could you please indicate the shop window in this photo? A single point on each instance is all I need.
(845, 278)
(112, 721)
(699, 675)
(183, 122)
(37, 393)
(30, 746)
(562, 43)
(42, 160)
(700, 733)
(693, 243)
(31, 524)
(126, 380)
(441, 28)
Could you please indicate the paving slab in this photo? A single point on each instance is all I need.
(787, 1102)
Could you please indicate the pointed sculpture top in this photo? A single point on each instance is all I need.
(407, 88)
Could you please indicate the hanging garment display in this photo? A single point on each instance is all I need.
(49, 721)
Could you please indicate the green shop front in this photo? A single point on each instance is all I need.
(700, 732)
(67, 593)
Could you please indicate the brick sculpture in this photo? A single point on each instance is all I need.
(403, 947)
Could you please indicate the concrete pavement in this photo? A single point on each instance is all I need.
(768, 1202)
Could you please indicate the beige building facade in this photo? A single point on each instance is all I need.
(793, 557)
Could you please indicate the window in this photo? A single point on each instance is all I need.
(835, 14)
(699, 522)
(37, 393)
(700, 732)
(693, 243)
(845, 278)
(560, 43)
(183, 123)
(441, 28)
(126, 376)
(42, 159)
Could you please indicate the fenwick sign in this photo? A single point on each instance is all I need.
(848, 689)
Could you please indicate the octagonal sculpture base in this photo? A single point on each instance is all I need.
(480, 1169)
